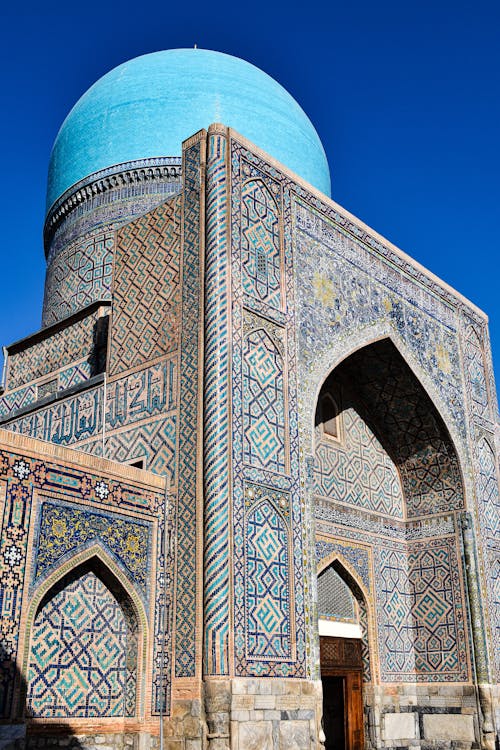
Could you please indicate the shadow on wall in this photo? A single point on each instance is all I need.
(82, 665)
(15, 732)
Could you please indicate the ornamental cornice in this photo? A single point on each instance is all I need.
(160, 169)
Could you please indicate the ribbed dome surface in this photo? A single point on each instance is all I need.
(146, 107)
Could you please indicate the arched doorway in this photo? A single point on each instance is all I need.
(342, 631)
(84, 648)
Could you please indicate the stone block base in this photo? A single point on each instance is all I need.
(263, 714)
(428, 717)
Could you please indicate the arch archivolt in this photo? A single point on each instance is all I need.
(352, 342)
(92, 555)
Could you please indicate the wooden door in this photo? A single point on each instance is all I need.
(342, 675)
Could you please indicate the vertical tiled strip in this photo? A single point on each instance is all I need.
(217, 427)
(187, 585)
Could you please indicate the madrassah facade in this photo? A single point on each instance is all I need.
(249, 488)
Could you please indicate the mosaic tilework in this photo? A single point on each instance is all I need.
(74, 419)
(140, 397)
(268, 579)
(64, 528)
(391, 399)
(335, 600)
(74, 375)
(216, 414)
(356, 556)
(65, 347)
(358, 471)
(186, 664)
(13, 544)
(79, 275)
(263, 403)
(146, 393)
(260, 247)
(350, 284)
(153, 441)
(474, 362)
(146, 288)
(488, 488)
(28, 395)
(358, 559)
(79, 657)
(438, 610)
(252, 314)
(24, 475)
(494, 561)
(394, 602)
(16, 399)
(352, 281)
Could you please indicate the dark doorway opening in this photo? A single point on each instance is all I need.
(334, 712)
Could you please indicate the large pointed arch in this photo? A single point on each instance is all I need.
(333, 358)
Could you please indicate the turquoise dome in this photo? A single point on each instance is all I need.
(146, 107)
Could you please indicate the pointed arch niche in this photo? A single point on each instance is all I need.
(343, 608)
(86, 644)
(396, 456)
(344, 653)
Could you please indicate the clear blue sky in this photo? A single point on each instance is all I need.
(405, 97)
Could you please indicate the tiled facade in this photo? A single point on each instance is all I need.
(187, 594)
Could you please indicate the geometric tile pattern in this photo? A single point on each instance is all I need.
(187, 587)
(13, 400)
(141, 396)
(395, 624)
(73, 375)
(153, 441)
(146, 288)
(79, 660)
(351, 281)
(358, 471)
(356, 556)
(62, 348)
(217, 421)
(438, 610)
(392, 400)
(261, 357)
(76, 418)
(489, 495)
(268, 583)
(260, 246)
(28, 478)
(13, 547)
(474, 361)
(335, 600)
(263, 403)
(63, 529)
(26, 396)
(495, 599)
(79, 275)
